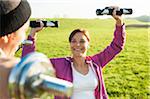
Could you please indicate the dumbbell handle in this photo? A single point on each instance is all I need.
(35, 24)
(53, 85)
(109, 11)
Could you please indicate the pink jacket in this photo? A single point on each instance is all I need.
(97, 62)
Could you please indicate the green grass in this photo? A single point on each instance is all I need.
(127, 76)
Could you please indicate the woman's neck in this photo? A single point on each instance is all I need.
(79, 61)
(80, 65)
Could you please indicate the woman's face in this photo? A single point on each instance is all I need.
(79, 45)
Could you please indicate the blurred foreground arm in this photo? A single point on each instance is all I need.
(5, 68)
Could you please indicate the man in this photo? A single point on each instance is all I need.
(14, 16)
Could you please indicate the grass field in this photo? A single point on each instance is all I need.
(128, 75)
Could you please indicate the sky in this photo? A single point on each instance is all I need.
(84, 8)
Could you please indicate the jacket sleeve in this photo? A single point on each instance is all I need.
(113, 49)
(28, 48)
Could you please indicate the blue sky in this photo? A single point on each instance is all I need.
(84, 8)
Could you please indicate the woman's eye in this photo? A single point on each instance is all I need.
(82, 41)
(73, 41)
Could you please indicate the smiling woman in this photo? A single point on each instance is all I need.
(85, 72)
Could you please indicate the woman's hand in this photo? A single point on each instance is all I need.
(118, 18)
(34, 31)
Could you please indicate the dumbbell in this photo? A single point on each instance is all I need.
(33, 76)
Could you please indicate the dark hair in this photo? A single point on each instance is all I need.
(14, 14)
(85, 32)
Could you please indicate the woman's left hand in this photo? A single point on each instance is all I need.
(34, 31)
(118, 18)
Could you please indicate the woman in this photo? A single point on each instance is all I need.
(85, 72)
(14, 23)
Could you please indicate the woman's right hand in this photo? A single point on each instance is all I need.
(34, 31)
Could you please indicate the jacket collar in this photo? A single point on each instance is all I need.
(88, 59)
